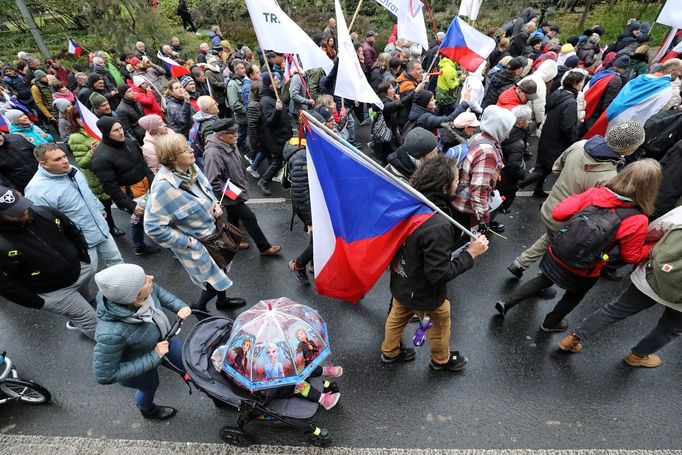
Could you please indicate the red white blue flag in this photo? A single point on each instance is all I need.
(361, 217)
(466, 45)
(231, 190)
(89, 121)
(176, 70)
(641, 98)
(74, 48)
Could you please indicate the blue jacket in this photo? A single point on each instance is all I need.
(18, 84)
(31, 134)
(70, 194)
(124, 350)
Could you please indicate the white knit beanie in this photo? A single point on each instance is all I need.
(121, 283)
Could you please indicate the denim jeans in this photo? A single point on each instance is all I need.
(147, 383)
(137, 231)
(350, 124)
(629, 303)
(242, 132)
(107, 251)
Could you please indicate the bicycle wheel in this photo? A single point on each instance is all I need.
(26, 391)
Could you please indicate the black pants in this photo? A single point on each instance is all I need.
(274, 168)
(538, 177)
(306, 256)
(568, 301)
(107, 209)
(187, 23)
(241, 212)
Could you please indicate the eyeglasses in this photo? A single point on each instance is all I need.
(187, 151)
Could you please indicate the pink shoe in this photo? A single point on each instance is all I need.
(328, 400)
(331, 371)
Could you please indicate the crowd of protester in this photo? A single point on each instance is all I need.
(169, 146)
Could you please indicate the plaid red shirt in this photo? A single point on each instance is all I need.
(478, 177)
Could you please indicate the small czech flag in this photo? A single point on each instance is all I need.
(74, 48)
(231, 190)
(175, 69)
(89, 121)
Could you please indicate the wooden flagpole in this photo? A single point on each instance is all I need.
(352, 21)
(267, 65)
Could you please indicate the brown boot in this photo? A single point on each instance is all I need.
(571, 343)
(649, 361)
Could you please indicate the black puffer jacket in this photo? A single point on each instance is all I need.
(425, 118)
(275, 123)
(179, 115)
(422, 268)
(254, 122)
(298, 174)
(129, 114)
(498, 82)
(119, 165)
(513, 149)
(17, 163)
(670, 193)
(559, 129)
(50, 251)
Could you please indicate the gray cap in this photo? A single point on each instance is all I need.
(419, 142)
(625, 136)
(121, 283)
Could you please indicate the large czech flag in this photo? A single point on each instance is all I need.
(361, 217)
(641, 98)
(466, 45)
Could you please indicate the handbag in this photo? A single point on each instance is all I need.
(224, 243)
(380, 131)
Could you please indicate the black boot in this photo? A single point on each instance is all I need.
(159, 412)
(229, 303)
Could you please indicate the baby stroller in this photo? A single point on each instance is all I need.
(202, 340)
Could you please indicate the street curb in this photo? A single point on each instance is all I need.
(57, 445)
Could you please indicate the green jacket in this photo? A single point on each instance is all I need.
(234, 100)
(448, 86)
(79, 143)
(124, 350)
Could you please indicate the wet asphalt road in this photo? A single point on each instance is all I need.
(517, 391)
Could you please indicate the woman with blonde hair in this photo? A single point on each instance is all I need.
(599, 220)
(376, 74)
(181, 212)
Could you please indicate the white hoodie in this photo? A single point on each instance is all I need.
(545, 73)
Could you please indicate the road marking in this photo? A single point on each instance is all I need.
(268, 200)
(25, 445)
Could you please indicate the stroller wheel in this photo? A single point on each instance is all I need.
(235, 436)
(320, 437)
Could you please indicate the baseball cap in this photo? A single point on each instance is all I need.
(12, 203)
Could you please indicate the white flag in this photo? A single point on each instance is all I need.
(671, 14)
(277, 32)
(470, 8)
(410, 14)
(350, 80)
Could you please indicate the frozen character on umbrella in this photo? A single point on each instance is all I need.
(273, 367)
(240, 361)
(307, 348)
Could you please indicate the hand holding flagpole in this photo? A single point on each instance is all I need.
(222, 196)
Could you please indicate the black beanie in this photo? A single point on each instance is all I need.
(93, 77)
(423, 97)
(122, 89)
(105, 124)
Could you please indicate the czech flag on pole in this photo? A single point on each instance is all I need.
(231, 190)
(89, 121)
(361, 217)
(174, 67)
(74, 48)
(466, 45)
(641, 98)
(673, 53)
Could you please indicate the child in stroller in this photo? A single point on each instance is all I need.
(327, 398)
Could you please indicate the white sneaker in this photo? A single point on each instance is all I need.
(278, 177)
(248, 159)
(252, 172)
(70, 326)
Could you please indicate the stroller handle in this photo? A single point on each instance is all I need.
(174, 330)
